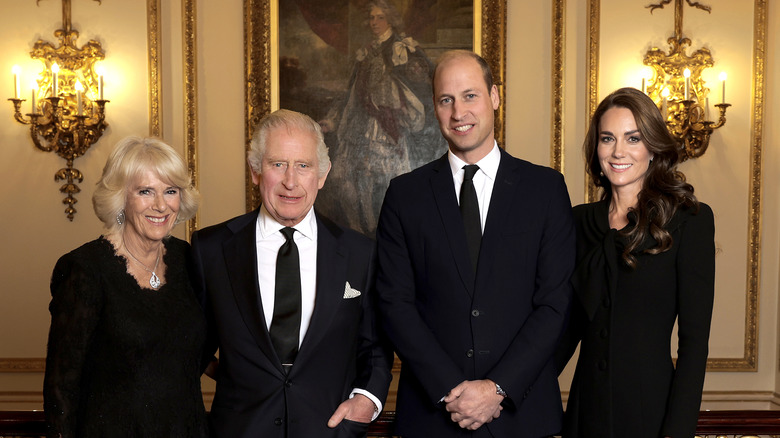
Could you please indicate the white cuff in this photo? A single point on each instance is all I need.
(377, 404)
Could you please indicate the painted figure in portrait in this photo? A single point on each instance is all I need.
(375, 104)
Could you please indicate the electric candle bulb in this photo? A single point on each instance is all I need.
(647, 74)
(79, 90)
(722, 78)
(16, 71)
(99, 70)
(687, 74)
(54, 70)
(34, 88)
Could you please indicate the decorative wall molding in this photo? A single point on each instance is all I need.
(153, 25)
(22, 365)
(190, 71)
(558, 89)
(592, 87)
(21, 400)
(493, 50)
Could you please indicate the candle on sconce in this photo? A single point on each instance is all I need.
(687, 74)
(79, 104)
(100, 72)
(723, 87)
(706, 108)
(647, 74)
(34, 87)
(54, 70)
(16, 70)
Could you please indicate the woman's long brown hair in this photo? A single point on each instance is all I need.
(664, 189)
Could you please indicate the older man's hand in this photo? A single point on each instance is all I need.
(359, 408)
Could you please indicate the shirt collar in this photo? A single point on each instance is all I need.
(488, 164)
(267, 225)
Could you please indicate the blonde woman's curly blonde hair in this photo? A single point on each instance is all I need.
(132, 157)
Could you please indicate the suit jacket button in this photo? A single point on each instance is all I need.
(288, 383)
(278, 421)
(470, 353)
(475, 312)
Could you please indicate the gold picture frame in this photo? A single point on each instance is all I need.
(261, 36)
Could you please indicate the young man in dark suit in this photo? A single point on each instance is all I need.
(473, 278)
(289, 297)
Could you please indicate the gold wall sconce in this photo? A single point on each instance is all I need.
(68, 110)
(679, 90)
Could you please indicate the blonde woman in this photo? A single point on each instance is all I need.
(127, 331)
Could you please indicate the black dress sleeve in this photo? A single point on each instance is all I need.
(695, 293)
(75, 310)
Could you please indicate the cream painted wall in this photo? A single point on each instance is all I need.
(35, 235)
(528, 80)
(221, 110)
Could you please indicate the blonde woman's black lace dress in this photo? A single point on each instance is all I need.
(123, 361)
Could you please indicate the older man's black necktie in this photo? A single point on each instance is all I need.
(286, 322)
(469, 209)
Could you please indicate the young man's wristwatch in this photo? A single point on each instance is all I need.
(500, 391)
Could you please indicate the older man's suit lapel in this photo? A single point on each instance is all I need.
(240, 251)
(331, 279)
(447, 205)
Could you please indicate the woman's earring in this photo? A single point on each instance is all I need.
(120, 217)
(601, 173)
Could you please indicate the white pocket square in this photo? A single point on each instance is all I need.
(349, 292)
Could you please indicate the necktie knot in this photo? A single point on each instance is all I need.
(287, 232)
(469, 171)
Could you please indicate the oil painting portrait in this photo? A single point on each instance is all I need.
(362, 69)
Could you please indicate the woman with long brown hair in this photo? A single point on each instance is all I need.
(645, 259)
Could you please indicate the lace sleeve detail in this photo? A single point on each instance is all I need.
(75, 310)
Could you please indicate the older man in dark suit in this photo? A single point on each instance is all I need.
(475, 253)
(289, 298)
